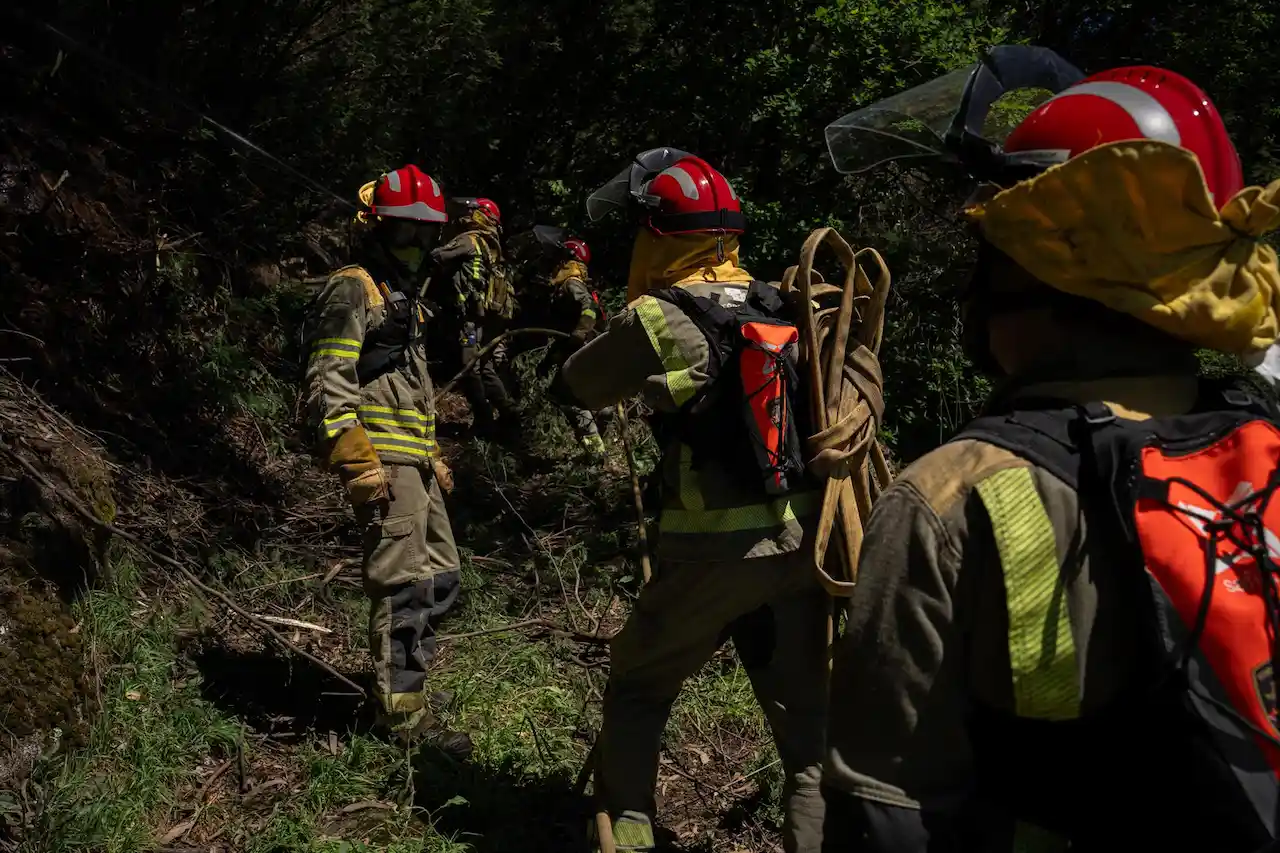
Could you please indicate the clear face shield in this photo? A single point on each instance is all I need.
(961, 117)
(627, 187)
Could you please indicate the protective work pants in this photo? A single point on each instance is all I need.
(776, 615)
(483, 387)
(411, 576)
(584, 426)
(582, 421)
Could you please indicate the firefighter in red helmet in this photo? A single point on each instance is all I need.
(480, 302)
(556, 293)
(369, 406)
(1037, 655)
(730, 559)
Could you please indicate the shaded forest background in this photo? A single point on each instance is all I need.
(533, 104)
(153, 275)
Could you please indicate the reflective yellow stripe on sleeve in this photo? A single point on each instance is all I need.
(335, 425)
(589, 313)
(679, 383)
(1042, 653)
(339, 347)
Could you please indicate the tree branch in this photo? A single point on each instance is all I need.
(487, 350)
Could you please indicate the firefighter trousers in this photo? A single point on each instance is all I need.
(411, 577)
(483, 387)
(776, 615)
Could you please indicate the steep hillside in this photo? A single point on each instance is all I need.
(182, 649)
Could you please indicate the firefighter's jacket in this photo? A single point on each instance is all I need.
(478, 278)
(396, 408)
(656, 350)
(574, 308)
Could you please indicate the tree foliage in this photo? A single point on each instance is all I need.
(537, 103)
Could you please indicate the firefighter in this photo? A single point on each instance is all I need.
(730, 564)
(483, 303)
(1016, 674)
(570, 305)
(369, 402)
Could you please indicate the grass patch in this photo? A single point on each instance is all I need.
(255, 757)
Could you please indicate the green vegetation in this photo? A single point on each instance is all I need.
(154, 277)
(204, 738)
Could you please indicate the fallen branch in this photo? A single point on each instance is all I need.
(541, 624)
(364, 805)
(488, 349)
(190, 577)
(208, 786)
(292, 623)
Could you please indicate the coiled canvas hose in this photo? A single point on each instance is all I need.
(843, 325)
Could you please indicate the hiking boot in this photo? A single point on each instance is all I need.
(456, 745)
(440, 700)
(406, 728)
(421, 728)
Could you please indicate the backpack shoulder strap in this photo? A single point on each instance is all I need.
(1041, 436)
(709, 316)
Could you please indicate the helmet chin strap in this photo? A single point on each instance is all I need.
(720, 256)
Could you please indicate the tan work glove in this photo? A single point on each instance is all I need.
(443, 475)
(370, 487)
(352, 456)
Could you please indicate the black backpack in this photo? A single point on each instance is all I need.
(1189, 758)
(749, 417)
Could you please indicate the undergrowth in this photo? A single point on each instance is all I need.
(209, 740)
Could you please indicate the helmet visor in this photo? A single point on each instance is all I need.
(908, 125)
(626, 187)
(549, 237)
(928, 121)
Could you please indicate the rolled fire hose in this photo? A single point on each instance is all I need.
(843, 327)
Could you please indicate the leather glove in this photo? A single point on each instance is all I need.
(370, 487)
(352, 456)
(443, 475)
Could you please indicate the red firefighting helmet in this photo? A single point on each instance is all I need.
(1134, 102)
(409, 193)
(675, 192)
(579, 249)
(490, 207)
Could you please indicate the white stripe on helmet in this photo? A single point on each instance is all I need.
(419, 210)
(393, 181)
(685, 180)
(733, 195)
(1152, 118)
(435, 188)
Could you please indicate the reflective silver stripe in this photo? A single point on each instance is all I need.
(1153, 120)
(685, 180)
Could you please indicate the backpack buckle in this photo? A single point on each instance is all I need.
(1098, 414)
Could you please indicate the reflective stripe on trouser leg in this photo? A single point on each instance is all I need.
(399, 580)
(674, 628)
(1042, 654)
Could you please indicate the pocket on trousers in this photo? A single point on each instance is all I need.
(390, 554)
